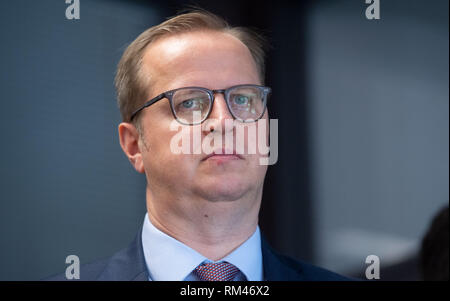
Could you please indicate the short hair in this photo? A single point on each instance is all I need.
(131, 85)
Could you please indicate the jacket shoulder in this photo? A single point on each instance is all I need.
(279, 267)
(312, 272)
(127, 264)
(88, 272)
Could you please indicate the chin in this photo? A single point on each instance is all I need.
(223, 190)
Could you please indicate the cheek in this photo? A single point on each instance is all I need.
(164, 151)
(253, 138)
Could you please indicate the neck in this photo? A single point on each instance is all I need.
(214, 229)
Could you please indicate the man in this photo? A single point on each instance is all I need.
(202, 207)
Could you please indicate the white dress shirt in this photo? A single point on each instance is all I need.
(168, 259)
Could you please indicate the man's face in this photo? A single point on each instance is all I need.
(203, 59)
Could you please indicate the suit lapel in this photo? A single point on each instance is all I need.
(128, 264)
(276, 267)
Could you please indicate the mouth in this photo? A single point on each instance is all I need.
(223, 155)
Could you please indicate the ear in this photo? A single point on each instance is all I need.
(129, 141)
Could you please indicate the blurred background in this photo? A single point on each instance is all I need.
(363, 109)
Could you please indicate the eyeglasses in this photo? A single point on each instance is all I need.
(192, 105)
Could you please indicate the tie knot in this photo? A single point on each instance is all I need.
(221, 271)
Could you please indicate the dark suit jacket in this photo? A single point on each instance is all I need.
(129, 264)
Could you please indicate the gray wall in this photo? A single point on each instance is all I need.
(372, 100)
(65, 184)
(379, 108)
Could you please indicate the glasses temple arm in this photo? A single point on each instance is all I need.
(147, 104)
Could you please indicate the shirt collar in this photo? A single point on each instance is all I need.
(248, 257)
(170, 259)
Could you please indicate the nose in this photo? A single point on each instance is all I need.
(218, 115)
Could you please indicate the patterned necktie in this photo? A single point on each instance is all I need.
(221, 271)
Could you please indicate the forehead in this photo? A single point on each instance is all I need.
(203, 58)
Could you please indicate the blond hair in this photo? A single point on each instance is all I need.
(132, 85)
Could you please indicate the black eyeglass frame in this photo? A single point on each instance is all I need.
(226, 92)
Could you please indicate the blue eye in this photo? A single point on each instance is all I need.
(241, 100)
(187, 104)
(192, 104)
